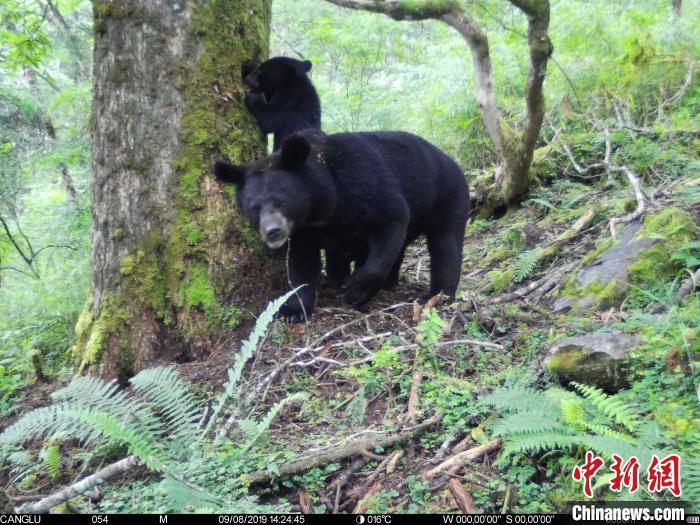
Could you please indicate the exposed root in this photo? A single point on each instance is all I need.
(690, 284)
(642, 200)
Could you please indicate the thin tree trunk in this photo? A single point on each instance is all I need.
(170, 264)
(677, 7)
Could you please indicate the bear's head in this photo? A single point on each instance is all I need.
(275, 74)
(274, 193)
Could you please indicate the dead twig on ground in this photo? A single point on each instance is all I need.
(642, 200)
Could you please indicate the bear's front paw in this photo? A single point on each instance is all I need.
(293, 312)
(357, 296)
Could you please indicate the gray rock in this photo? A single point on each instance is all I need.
(611, 267)
(613, 264)
(595, 359)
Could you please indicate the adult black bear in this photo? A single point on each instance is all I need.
(368, 193)
(282, 98)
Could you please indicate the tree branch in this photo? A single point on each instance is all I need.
(400, 9)
(84, 485)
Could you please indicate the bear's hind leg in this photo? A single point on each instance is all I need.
(384, 249)
(337, 268)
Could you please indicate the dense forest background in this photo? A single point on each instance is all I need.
(622, 77)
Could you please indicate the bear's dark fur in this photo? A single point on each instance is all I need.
(355, 193)
(282, 98)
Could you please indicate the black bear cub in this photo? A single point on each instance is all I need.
(282, 98)
(369, 193)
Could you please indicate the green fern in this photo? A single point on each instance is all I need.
(534, 421)
(185, 497)
(527, 423)
(519, 399)
(167, 394)
(248, 348)
(156, 420)
(51, 457)
(255, 430)
(573, 414)
(609, 405)
(526, 263)
(528, 443)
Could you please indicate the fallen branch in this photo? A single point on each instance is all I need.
(519, 293)
(463, 458)
(414, 397)
(334, 452)
(462, 497)
(569, 234)
(343, 479)
(84, 485)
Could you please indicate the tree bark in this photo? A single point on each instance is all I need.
(171, 259)
(677, 7)
(515, 147)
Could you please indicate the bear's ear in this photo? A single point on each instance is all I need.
(306, 65)
(227, 172)
(295, 149)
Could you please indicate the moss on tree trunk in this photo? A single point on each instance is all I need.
(172, 263)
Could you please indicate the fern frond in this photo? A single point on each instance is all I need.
(69, 420)
(264, 424)
(609, 405)
(168, 396)
(527, 423)
(691, 481)
(20, 459)
(533, 443)
(93, 392)
(519, 399)
(248, 348)
(602, 430)
(47, 421)
(573, 414)
(188, 498)
(526, 263)
(609, 445)
(51, 457)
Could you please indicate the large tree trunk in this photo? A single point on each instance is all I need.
(169, 261)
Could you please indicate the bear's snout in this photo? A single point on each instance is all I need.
(274, 227)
